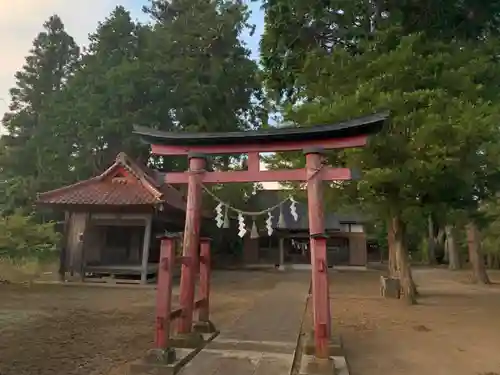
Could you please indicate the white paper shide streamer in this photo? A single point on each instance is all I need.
(241, 226)
(293, 209)
(218, 219)
(226, 224)
(269, 224)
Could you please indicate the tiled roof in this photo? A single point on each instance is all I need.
(101, 193)
(125, 183)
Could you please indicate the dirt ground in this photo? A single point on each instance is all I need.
(75, 330)
(455, 329)
(80, 330)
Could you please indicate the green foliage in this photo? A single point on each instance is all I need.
(21, 237)
(439, 147)
(96, 111)
(444, 19)
(431, 64)
(296, 28)
(198, 55)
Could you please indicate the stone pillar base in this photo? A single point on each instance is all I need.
(161, 356)
(335, 347)
(187, 340)
(311, 365)
(204, 327)
(156, 361)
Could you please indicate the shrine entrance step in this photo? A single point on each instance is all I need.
(262, 341)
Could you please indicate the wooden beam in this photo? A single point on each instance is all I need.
(124, 216)
(327, 144)
(177, 313)
(327, 174)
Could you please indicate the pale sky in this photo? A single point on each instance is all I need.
(22, 20)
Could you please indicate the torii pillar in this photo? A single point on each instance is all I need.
(191, 242)
(312, 141)
(319, 264)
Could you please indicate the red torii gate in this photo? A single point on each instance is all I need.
(312, 140)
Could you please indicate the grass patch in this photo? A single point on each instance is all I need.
(27, 270)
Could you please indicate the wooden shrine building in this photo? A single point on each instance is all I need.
(346, 244)
(111, 221)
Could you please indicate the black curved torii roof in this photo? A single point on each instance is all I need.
(366, 125)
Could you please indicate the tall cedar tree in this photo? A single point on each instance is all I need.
(31, 158)
(173, 75)
(106, 97)
(210, 83)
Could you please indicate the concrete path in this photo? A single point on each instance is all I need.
(261, 341)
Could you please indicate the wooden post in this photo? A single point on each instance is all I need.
(191, 242)
(204, 325)
(163, 352)
(205, 273)
(83, 240)
(320, 293)
(282, 254)
(63, 246)
(164, 292)
(145, 249)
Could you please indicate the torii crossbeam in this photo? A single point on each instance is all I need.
(312, 140)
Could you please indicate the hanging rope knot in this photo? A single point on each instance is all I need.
(313, 172)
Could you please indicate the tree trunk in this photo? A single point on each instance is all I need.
(440, 246)
(431, 241)
(446, 257)
(393, 265)
(413, 285)
(496, 262)
(403, 264)
(476, 258)
(493, 261)
(451, 249)
(489, 261)
(424, 250)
